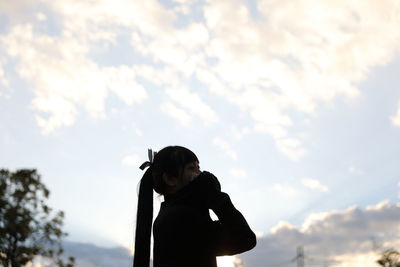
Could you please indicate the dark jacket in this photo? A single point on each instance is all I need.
(185, 235)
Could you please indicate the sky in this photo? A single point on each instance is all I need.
(293, 105)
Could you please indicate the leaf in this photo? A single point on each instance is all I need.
(27, 227)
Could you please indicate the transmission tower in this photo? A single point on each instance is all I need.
(300, 256)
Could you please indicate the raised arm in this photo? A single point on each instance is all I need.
(231, 232)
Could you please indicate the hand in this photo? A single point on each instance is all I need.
(208, 186)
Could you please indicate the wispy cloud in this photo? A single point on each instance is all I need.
(311, 59)
(291, 147)
(398, 186)
(285, 190)
(267, 73)
(139, 132)
(64, 78)
(314, 184)
(226, 147)
(3, 80)
(131, 160)
(193, 103)
(396, 118)
(177, 113)
(238, 173)
(355, 170)
(240, 133)
(5, 89)
(15, 9)
(41, 17)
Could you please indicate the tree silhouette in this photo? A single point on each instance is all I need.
(27, 226)
(389, 258)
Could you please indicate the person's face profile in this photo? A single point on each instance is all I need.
(190, 172)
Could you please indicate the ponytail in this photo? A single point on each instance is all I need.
(144, 219)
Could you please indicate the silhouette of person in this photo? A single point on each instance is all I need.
(184, 234)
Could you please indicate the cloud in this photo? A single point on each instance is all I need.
(15, 9)
(193, 103)
(4, 84)
(131, 160)
(64, 78)
(122, 82)
(289, 59)
(139, 132)
(396, 118)
(225, 146)
(41, 17)
(314, 184)
(292, 51)
(63, 112)
(343, 237)
(238, 173)
(357, 260)
(281, 225)
(290, 147)
(33, 264)
(240, 133)
(3, 80)
(226, 261)
(398, 186)
(355, 170)
(285, 190)
(71, 68)
(177, 113)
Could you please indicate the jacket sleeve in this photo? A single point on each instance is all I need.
(231, 232)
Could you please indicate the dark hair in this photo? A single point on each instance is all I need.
(170, 160)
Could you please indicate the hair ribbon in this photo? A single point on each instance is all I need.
(148, 163)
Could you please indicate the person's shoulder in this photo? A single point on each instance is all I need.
(182, 214)
(180, 210)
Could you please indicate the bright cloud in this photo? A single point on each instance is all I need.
(177, 113)
(226, 147)
(356, 260)
(4, 84)
(239, 133)
(64, 78)
(239, 173)
(289, 58)
(226, 261)
(3, 80)
(193, 103)
(41, 17)
(281, 225)
(314, 184)
(355, 170)
(139, 132)
(310, 59)
(396, 118)
(291, 147)
(398, 186)
(15, 9)
(131, 160)
(342, 237)
(285, 190)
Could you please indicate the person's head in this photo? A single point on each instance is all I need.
(174, 167)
